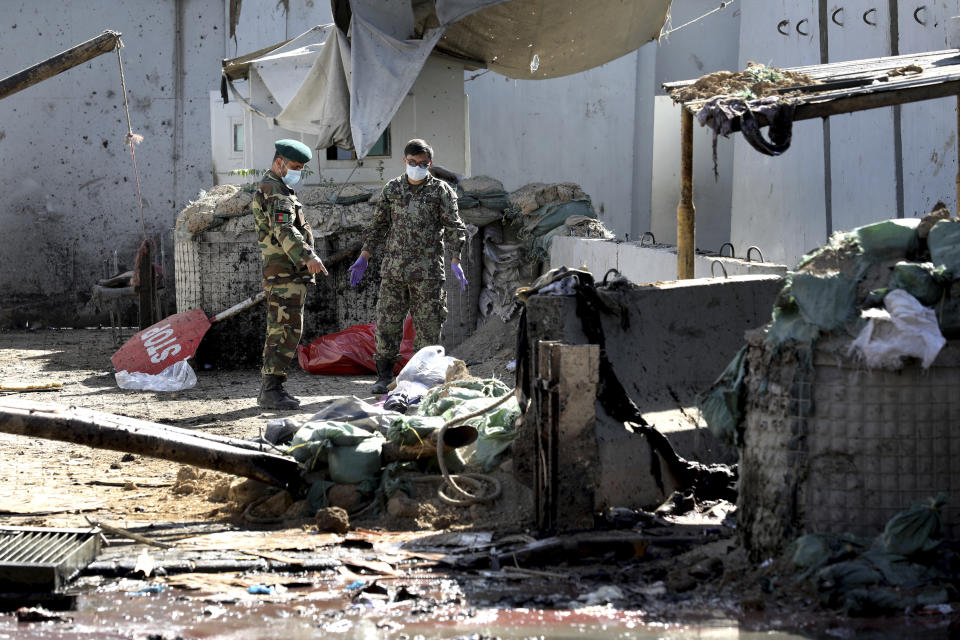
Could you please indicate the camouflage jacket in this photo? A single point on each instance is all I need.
(410, 226)
(284, 236)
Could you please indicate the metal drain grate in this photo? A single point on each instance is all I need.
(35, 559)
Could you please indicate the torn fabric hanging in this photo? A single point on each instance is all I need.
(345, 82)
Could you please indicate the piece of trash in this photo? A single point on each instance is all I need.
(145, 564)
(603, 595)
(512, 366)
(30, 386)
(148, 590)
(356, 584)
(766, 563)
(261, 590)
(39, 614)
(658, 588)
(176, 377)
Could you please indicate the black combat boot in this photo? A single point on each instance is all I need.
(384, 375)
(272, 395)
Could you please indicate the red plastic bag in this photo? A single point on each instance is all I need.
(351, 351)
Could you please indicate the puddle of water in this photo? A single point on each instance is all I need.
(308, 613)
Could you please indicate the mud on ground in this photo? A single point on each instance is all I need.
(48, 483)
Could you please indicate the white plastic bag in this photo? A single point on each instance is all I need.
(426, 369)
(176, 377)
(905, 329)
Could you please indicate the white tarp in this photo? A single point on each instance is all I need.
(346, 88)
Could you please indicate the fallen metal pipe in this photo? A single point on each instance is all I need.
(119, 433)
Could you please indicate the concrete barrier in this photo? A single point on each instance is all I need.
(668, 343)
(647, 263)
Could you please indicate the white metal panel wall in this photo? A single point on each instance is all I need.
(862, 150)
(929, 129)
(778, 202)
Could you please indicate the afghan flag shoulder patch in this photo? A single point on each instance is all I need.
(282, 217)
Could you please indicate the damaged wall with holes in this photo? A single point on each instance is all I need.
(70, 193)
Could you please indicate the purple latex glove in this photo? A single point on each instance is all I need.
(458, 271)
(356, 270)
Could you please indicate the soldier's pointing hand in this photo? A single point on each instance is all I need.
(315, 265)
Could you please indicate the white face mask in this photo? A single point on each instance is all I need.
(292, 177)
(416, 173)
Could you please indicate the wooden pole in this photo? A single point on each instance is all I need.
(119, 433)
(146, 287)
(104, 43)
(686, 212)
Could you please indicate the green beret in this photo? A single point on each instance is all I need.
(293, 150)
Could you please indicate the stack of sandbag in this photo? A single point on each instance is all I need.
(212, 208)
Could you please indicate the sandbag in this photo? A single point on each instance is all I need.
(888, 239)
(824, 300)
(916, 529)
(921, 280)
(944, 245)
(722, 404)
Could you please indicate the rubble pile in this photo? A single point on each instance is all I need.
(756, 81)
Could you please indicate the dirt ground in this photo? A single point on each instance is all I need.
(687, 569)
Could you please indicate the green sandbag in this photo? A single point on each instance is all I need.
(836, 579)
(722, 404)
(944, 244)
(949, 312)
(441, 399)
(312, 442)
(888, 239)
(824, 300)
(355, 463)
(788, 326)
(411, 430)
(921, 280)
(467, 202)
(497, 432)
(898, 570)
(916, 529)
(480, 216)
(550, 216)
(814, 550)
(494, 200)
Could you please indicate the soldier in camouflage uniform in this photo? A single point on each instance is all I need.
(289, 264)
(414, 215)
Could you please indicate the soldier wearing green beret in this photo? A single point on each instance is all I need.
(289, 264)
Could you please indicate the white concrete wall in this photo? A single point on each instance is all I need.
(645, 264)
(71, 198)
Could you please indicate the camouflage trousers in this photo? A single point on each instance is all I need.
(284, 326)
(424, 299)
